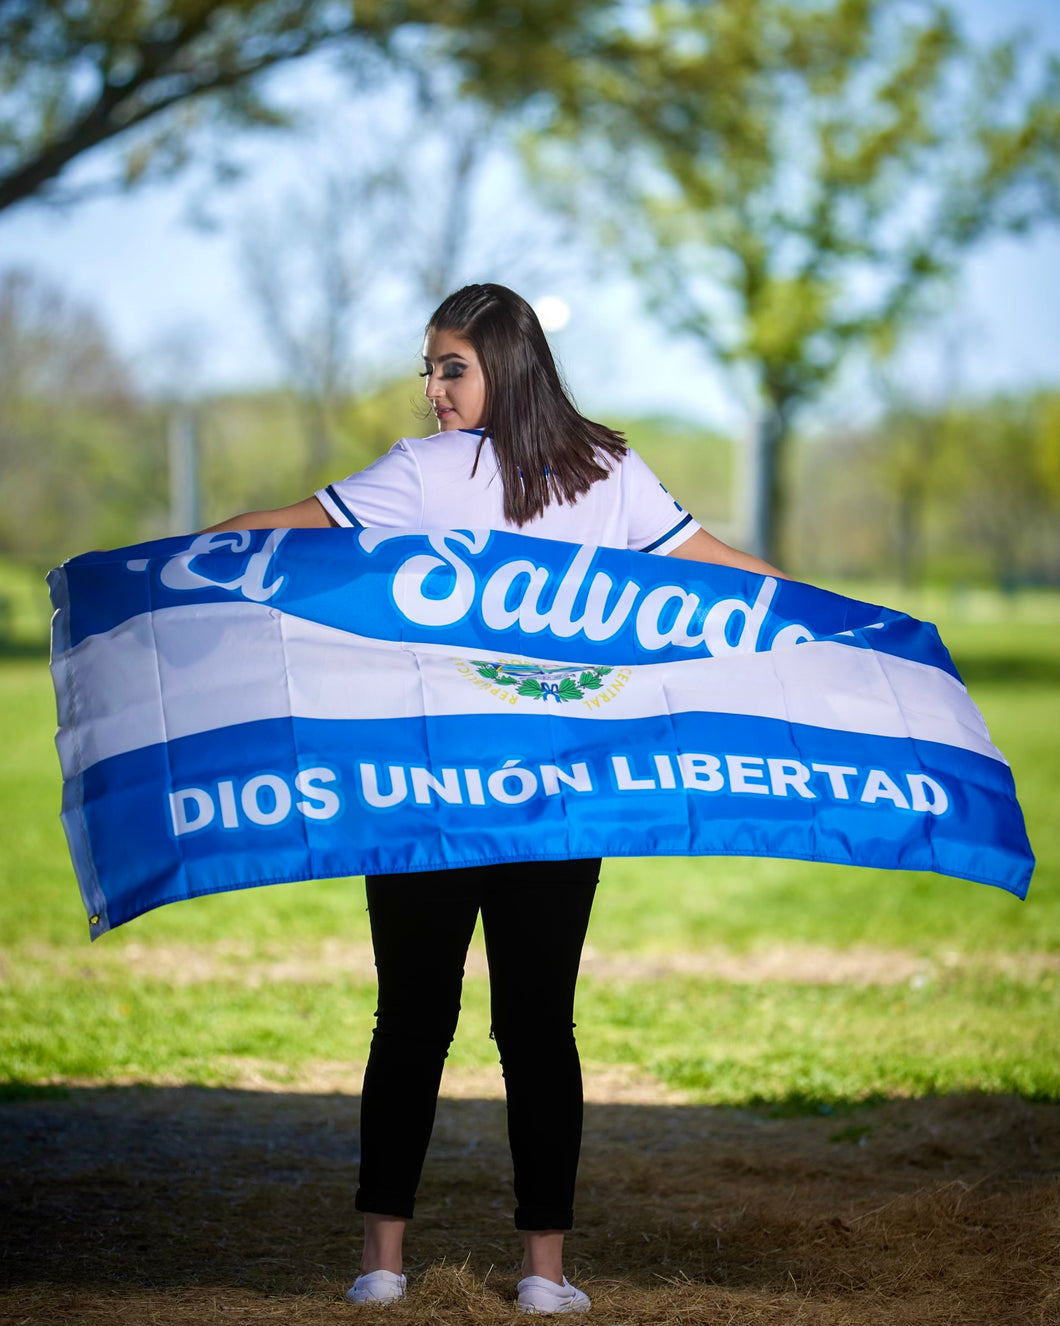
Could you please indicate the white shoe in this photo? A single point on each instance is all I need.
(536, 1294)
(377, 1287)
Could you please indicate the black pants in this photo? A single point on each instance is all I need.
(534, 917)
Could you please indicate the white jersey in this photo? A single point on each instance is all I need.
(426, 483)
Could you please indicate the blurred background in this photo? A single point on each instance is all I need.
(806, 255)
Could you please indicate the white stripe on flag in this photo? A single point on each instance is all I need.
(222, 664)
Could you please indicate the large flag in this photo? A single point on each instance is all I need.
(250, 708)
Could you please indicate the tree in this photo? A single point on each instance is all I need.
(999, 469)
(958, 490)
(74, 75)
(792, 182)
(351, 263)
(306, 276)
(82, 459)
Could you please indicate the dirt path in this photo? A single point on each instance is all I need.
(333, 960)
(185, 1205)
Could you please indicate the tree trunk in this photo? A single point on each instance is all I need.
(910, 549)
(185, 514)
(315, 415)
(768, 498)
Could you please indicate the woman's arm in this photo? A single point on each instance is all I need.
(307, 514)
(704, 547)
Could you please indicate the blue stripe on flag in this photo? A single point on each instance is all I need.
(308, 573)
(288, 799)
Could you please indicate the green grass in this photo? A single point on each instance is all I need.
(724, 1043)
(976, 1025)
(111, 1027)
(782, 1043)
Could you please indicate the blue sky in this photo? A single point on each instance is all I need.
(157, 280)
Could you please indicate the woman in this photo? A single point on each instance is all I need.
(511, 452)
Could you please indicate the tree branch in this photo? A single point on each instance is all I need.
(112, 114)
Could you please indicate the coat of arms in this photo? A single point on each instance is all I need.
(538, 682)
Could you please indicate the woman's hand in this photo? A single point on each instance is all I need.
(307, 514)
(704, 547)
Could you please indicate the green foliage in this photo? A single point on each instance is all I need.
(698, 466)
(793, 182)
(25, 611)
(83, 460)
(75, 75)
(254, 451)
(968, 491)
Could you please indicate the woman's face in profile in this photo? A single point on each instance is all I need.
(456, 386)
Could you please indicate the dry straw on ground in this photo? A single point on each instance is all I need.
(176, 1205)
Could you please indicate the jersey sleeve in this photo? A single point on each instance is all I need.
(389, 493)
(657, 524)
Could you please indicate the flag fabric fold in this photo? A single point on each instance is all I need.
(250, 708)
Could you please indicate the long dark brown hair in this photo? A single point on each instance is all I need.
(546, 450)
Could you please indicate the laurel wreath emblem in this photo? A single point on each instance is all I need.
(537, 683)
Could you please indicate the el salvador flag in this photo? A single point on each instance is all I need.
(249, 708)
